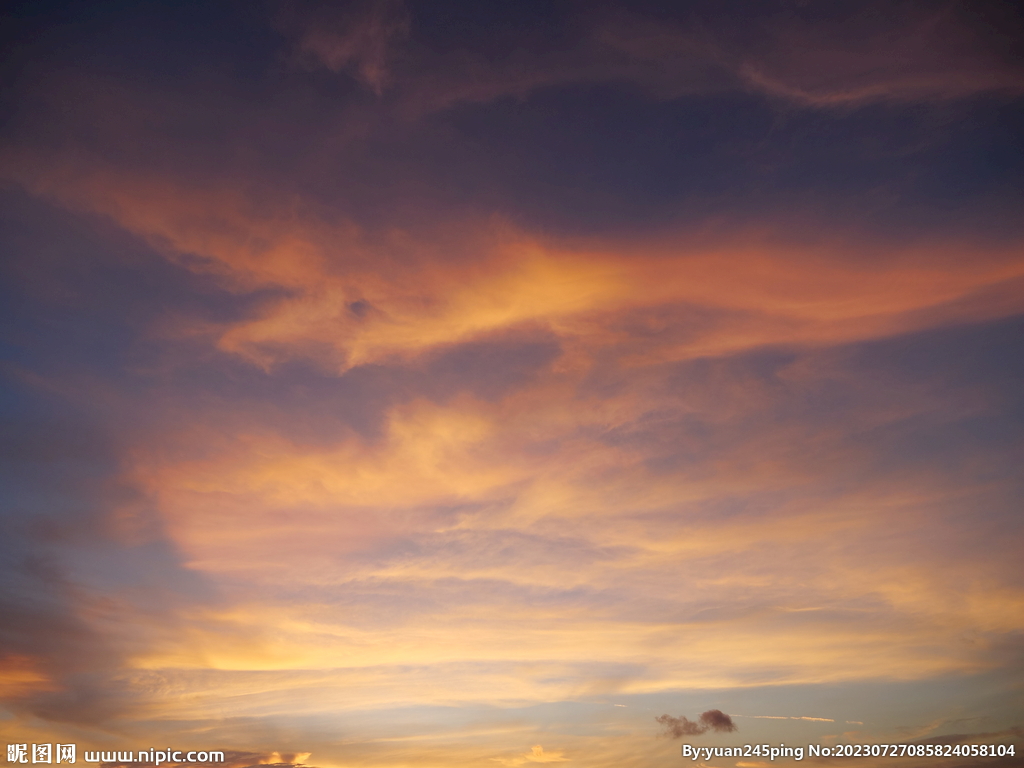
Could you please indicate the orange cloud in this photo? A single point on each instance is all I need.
(535, 755)
(352, 299)
(20, 675)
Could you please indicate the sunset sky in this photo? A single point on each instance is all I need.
(442, 383)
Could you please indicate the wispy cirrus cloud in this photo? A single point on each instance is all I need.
(752, 289)
(821, 60)
(361, 38)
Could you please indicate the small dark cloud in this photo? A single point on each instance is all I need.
(675, 727)
(716, 720)
(712, 720)
(360, 308)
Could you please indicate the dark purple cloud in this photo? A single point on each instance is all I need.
(712, 720)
